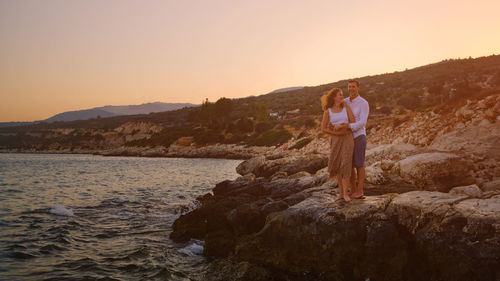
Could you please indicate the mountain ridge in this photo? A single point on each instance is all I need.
(105, 111)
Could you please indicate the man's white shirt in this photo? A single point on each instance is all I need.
(360, 109)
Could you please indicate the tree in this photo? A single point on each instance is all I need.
(223, 109)
(261, 112)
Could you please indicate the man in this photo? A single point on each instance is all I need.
(360, 109)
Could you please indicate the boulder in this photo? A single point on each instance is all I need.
(435, 171)
(274, 206)
(491, 185)
(375, 174)
(230, 270)
(392, 152)
(251, 165)
(469, 190)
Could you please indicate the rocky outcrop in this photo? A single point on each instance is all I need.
(279, 221)
(266, 167)
(419, 235)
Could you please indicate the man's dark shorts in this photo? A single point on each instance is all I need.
(359, 151)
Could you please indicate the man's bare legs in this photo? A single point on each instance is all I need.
(361, 172)
(353, 181)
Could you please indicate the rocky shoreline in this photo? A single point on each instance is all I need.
(278, 221)
(220, 151)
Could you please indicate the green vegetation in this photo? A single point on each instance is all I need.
(440, 87)
(270, 138)
(301, 143)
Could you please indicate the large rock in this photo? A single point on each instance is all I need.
(491, 185)
(239, 208)
(268, 166)
(469, 190)
(435, 171)
(251, 165)
(309, 163)
(394, 152)
(419, 235)
(320, 236)
(378, 172)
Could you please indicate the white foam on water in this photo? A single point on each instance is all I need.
(60, 210)
(193, 249)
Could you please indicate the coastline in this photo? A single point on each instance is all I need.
(217, 151)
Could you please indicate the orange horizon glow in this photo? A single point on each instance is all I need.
(58, 56)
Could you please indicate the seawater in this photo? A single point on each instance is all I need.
(87, 217)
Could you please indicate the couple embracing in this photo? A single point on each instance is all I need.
(345, 120)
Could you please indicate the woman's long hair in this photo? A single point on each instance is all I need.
(328, 99)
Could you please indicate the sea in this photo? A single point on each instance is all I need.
(89, 217)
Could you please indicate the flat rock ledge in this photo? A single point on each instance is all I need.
(288, 227)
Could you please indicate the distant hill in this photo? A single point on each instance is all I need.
(282, 90)
(110, 111)
(14, 124)
(145, 108)
(79, 115)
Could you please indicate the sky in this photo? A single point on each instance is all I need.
(64, 55)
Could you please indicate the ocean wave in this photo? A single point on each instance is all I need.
(193, 249)
(60, 210)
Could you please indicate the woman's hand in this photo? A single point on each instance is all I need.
(343, 126)
(341, 129)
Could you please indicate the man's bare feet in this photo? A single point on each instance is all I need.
(357, 195)
(347, 198)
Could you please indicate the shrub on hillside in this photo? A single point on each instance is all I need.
(233, 138)
(301, 143)
(262, 127)
(243, 125)
(206, 136)
(410, 100)
(400, 120)
(309, 123)
(270, 138)
(302, 134)
(385, 110)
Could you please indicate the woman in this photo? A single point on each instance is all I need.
(336, 116)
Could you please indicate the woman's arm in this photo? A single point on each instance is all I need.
(325, 122)
(326, 127)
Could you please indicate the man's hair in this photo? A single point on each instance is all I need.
(353, 81)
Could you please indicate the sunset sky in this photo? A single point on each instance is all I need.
(67, 55)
